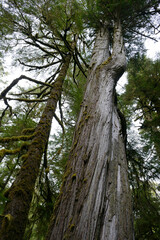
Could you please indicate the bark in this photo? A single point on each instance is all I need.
(94, 201)
(13, 221)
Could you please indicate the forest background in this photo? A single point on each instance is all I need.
(21, 111)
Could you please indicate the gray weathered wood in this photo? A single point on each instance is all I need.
(95, 201)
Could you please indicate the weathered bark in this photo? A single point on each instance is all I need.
(94, 201)
(13, 222)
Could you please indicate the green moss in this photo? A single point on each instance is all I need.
(85, 158)
(107, 61)
(2, 153)
(103, 64)
(74, 176)
(10, 152)
(19, 190)
(75, 143)
(9, 217)
(16, 138)
(24, 157)
(87, 117)
(47, 170)
(84, 113)
(57, 203)
(69, 230)
(91, 66)
(85, 180)
(66, 174)
(70, 220)
(28, 131)
(72, 226)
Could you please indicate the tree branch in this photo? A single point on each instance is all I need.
(33, 67)
(142, 34)
(14, 82)
(75, 57)
(60, 122)
(26, 100)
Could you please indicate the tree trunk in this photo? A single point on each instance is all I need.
(94, 201)
(13, 222)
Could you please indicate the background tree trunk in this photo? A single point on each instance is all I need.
(95, 201)
(13, 222)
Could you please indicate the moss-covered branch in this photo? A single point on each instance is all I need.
(28, 131)
(16, 138)
(4, 152)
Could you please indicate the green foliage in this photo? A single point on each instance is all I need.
(147, 208)
(62, 14)
(13, 126)
(73, 94)
(140, 102)
(135, 16)
(143, 175)
(142, 96)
